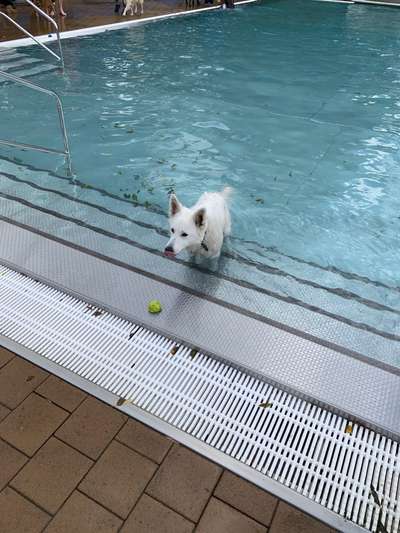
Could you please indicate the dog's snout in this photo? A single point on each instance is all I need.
(169, 250)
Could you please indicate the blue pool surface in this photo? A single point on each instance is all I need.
(294, 103)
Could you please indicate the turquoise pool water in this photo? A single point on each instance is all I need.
(294, 103)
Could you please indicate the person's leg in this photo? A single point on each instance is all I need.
(61, 6)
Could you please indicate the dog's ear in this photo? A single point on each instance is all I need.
(200, 217)
(174, 205)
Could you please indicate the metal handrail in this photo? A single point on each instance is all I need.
(66, 152)
(59, 57)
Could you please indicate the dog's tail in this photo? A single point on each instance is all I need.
(227, 193)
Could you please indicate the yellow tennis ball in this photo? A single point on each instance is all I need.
(154, 307)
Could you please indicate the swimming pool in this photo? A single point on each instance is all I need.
(293, 103)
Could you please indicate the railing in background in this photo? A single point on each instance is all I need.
(59, 56)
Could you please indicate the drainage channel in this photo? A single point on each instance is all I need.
(339, 471)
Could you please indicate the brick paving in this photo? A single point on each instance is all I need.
(71, 464)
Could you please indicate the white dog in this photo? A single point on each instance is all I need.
(199, 229)
(132, 6)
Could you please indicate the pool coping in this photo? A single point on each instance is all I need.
(92, 30)
(331, 379)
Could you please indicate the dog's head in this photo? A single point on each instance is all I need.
(187, 227)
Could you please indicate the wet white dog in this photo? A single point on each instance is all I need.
(199, 229)
(132, 6)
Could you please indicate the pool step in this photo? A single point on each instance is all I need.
(23, 65)
(337, 307)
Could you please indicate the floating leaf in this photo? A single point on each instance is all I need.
(121, 401)
(259, 200)
(349, 428)
(193, 353)
(127, 196)
(120, 172)
(265, 405)
(374, 495)
(174, 349)
(130, 130)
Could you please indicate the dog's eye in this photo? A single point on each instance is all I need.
(184, 234)
(172, 230)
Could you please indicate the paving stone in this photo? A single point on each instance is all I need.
(221, 518)
(150, 516)
(52, 474)
(184, 482)
(4, 411)
(18, 515)
(11, 460)
(246, 497)
(79, 514)
(288, 518)
(17, 380)
(91, 427)
(118, 478)
(5, 356)
(145, 440)
(31, 423)
(61, 393)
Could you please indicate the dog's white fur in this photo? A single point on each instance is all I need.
(199, 229)
(132, 6)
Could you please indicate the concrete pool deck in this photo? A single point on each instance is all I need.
(81, 14)
(68, 462)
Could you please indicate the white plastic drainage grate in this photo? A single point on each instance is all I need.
(352, 472)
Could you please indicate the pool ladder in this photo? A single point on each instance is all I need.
(21, 81)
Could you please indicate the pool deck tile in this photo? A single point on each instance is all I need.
(185, 482)
(29, 426)
(18, 379)
(11, 461)
(109, 474)
(5, 356)
(91, 427)
(150, 516)
(145, 440)
(288, 518)
(118, 478)
(18, 515)
(246, 497)
(52, 474)
(80, 514)
(4, 411)
(61, 393)
(219, 516)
